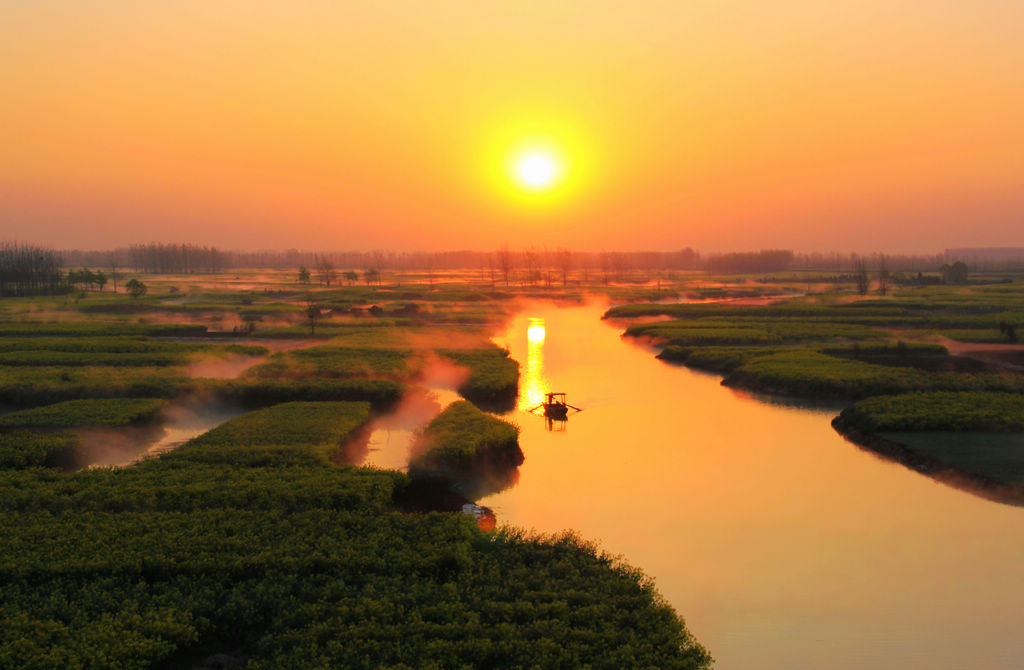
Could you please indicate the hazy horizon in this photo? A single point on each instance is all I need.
(719, 126)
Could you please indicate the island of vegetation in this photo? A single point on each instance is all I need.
(932, 363)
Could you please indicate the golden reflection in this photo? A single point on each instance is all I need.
(534, 385)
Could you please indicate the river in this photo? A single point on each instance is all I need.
(783, 545)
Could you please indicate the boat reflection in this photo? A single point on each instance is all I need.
(556, 425)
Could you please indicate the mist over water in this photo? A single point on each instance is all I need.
(783, 545)
(392, 437)
(177, 423)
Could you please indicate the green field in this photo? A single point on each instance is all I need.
(248, 542)
(257, 543)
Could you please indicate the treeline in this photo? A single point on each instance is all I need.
(771, 260)
(192, 258)
(157, 258)
(26, 269)
(526, 264)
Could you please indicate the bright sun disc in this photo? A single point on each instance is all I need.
(537, 170)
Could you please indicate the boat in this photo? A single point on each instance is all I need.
(555, 406)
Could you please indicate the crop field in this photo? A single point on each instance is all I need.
(940, 411)
(463, 439)
(193, 553)
(334, 362)
(255, 541)
(493, 376)
(90, 412)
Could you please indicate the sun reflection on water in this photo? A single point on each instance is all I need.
(534, 385)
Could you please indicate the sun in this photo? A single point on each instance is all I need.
(537, 170)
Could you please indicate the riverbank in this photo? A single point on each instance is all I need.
(957, 477)
(853, 351)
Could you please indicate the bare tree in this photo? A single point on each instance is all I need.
(313, 313)
(114, 259)
(505, 262)
(861, 276)
(883, 276)
(530, 261)
(605, 262)
(325, 271)
(563, 261)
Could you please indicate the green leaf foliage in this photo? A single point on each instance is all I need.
(461, 440)
(939, 411)
(250, 544)
(29, 449)
(316, 429)
(493, 376)
(94, 412)
(813, 374)
(332, 362)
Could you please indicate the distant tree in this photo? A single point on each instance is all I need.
(883, 276)
(304, 274)
(605, 263)
(505, 262)
(563, 261)
(861, 276)
(136, 288)
(371, 275)
(100, 279)
(325, 271)
(313, 314)
(351, 277)
(954, 274)
(959, 272)
(114, 259)
(530, 260)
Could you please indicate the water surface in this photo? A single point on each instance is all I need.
(783, 545)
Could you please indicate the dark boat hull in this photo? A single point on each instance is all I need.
(556, 411)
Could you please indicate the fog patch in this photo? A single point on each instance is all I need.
(176, 424)
(213, 367)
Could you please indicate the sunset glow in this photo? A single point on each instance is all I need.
(536, 170)
(801, 125)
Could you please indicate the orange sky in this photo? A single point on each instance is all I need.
(717, 124)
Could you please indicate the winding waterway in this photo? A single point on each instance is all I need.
(783, 545)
